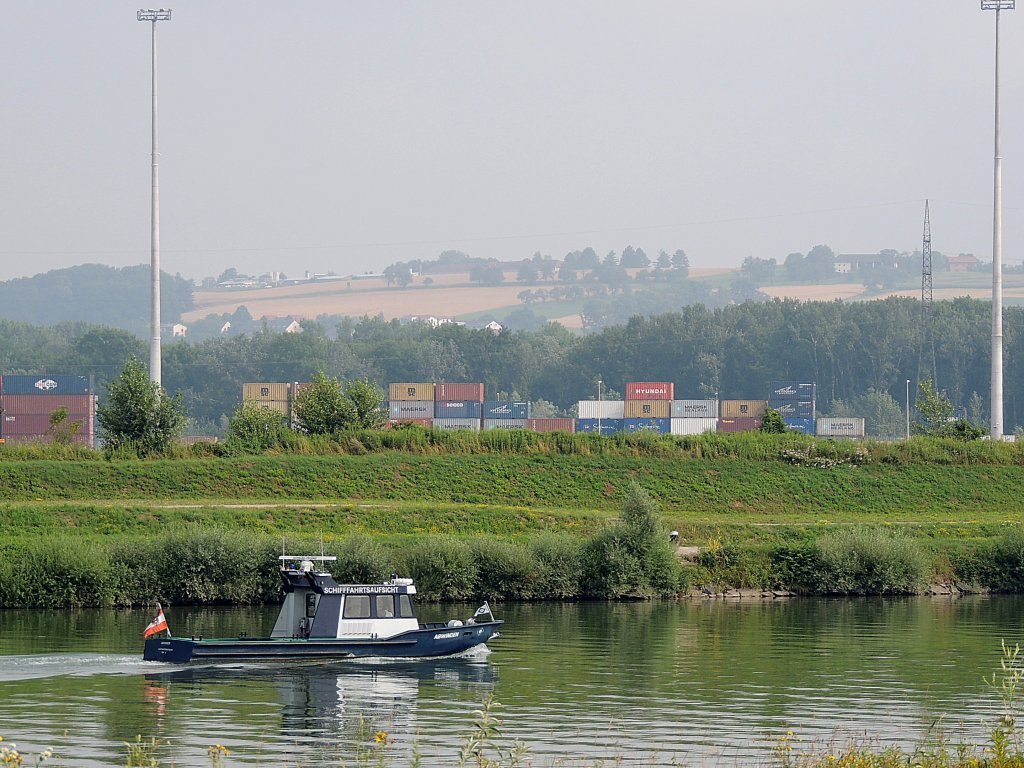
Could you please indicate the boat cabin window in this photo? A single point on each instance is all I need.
(310, 605)
(357, 607)
(385, 606)
(405, 608)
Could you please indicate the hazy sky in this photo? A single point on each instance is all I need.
(344, 136)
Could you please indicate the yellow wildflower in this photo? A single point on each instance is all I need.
(381, 737)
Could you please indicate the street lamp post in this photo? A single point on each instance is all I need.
(154, 342)
(908, 409)
(599, 407)
(996, 431)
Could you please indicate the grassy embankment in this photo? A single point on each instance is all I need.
(766, 511)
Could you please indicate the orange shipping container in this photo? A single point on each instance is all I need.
(551, 425)
(473, 393)
(743, 409)
(647, 409)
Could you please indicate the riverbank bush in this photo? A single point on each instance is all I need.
(868, 561)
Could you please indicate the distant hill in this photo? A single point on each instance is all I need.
(96, 294)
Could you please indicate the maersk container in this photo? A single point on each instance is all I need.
(604, 426)
(793, 409)
(650, 390)
(662, 426)
(392, 423)
(693, 426)
(458, 409)
(58, 384)
(800, 425)
(471, 425)
(792, 390)
(268, 391)
(840, 427)
(501, 409)
(471, 392)
(694, 409)
(505, 423)
(647, 409)
(744, 424)
(411, 409)
(407, 391)
(551, 425)
(601, 409)
(743, 409)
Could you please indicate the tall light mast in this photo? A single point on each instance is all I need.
(996, 431)
(154, 342)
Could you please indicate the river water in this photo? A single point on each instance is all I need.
(691, 683)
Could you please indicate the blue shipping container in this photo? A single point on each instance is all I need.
(60, 384)
(801, 425)
(608, 426)
(664, 426)
(499, 409)
(791, 390)
(793, 409)
(457, 409)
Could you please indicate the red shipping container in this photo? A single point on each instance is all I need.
(37, 424)
(47, 404)
(422, 422)
(473, 393)
(739, 425)
(650, 390)
(79, 439)
(551, 425)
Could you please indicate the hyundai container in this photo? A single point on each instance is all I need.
(650, 390)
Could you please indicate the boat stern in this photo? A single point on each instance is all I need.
(171, 649)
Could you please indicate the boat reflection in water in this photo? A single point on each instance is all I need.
(321, 713)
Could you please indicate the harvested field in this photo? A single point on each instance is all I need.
(823, 292)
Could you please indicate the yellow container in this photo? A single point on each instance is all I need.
(281, 406)
(411, 392)
(266, 392)
(743, 409)
(647, 409)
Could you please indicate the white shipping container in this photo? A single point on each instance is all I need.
(693, 426)
(412, 409)
(472, 425)
(694, 409)
(845, 427)
(505, 423)
(602, 409)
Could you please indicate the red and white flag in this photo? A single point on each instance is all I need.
(156, 625)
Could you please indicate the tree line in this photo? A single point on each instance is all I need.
(731, 351)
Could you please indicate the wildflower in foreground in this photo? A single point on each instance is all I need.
(381, 737)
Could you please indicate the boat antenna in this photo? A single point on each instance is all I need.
(321, 543)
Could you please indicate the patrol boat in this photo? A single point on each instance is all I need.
(321, 619)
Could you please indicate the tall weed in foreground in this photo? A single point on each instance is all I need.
(868, 561)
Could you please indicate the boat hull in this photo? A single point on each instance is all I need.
(436, 640)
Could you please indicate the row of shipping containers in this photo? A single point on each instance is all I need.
(28, 401)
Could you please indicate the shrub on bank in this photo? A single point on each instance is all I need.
(505, 570)
(442, 567)
(559, 562)
(868, 561)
